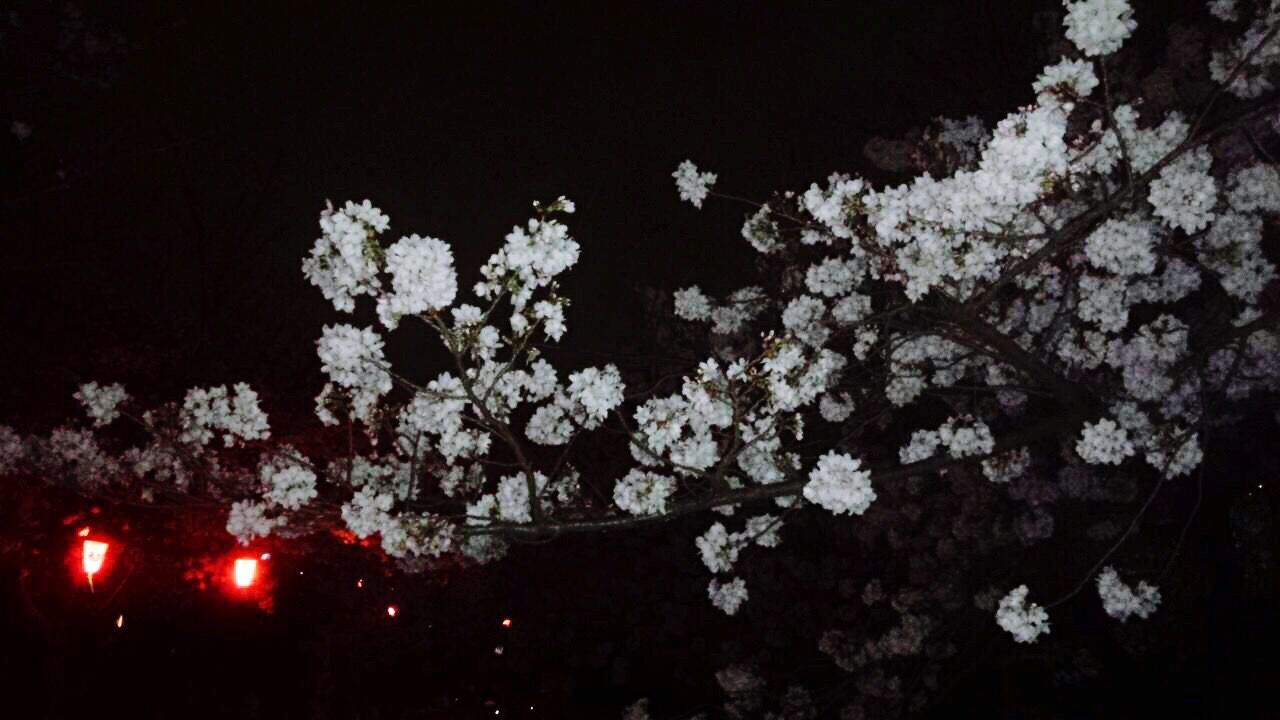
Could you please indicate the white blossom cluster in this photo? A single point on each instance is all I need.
(422, 279)
(1120, 601)
(76, 453)
(1104, 302)
(1122, 247)
(1069, 79)
(289, 484)
(1224, 10)
(761, 230)
(692, 304)
(718, 548)
(963, 436)
(417, 535)
(803, 317)
(1254, 188)
(728, 596)
(437, 412)
(1007, 466)
(911, 361)
(833, 206)
(1099, 27)
(835, 277)
(643, 493)
(1172, 448)
(161, 462)
(101, 402)
(510, 503)
(344, 261)
(1104, 442)
(679, 429)
(1176, 454)
(1232, 249)
(837, 483)
(352, 358)
(693, 185)
(964, 137)
(550, 315)
(763, 530)
(12, 450)
(763, 458)
(1244, 65)
(208, 412)
(595, 393)
(379, 484)
(1147, 358)
(796, 375)
(531, 259)
(739, 308)
(936, 226)
(1184, 193)
(1252, 368)
(1024, 621)
(550, 423)
(248, 519)
(835, 408)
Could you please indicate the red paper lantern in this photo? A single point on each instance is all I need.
(245, 571)
(94, 555)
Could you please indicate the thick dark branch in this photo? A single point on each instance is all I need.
(1066, 422)
(1006, 349)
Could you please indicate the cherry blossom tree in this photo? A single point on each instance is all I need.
(1063, 307)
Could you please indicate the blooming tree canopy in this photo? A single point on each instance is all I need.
(1062, 305)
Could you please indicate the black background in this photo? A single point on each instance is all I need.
(153, 227)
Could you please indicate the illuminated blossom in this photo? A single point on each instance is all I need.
(693, 185)
(1024, 621)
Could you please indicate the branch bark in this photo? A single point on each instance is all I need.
(1064, 422)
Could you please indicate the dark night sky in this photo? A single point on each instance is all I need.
(191, 190)
(194, 183)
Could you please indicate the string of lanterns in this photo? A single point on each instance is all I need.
(93, 559)
(244, 572)
(244, 576)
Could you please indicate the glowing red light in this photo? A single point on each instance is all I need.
(506, 622)
(84, 531)
(392, 610)
(360, 583)
(120, 621)
(95, 553)
(245, 571)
